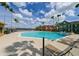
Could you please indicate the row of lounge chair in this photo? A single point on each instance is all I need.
(63, 46)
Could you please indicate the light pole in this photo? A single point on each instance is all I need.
(43, 41)
(43, 45)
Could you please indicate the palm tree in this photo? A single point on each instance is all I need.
(4, 4)
(57, 16)
(52, 17)
(16, 20)
(11, 10)
(57, 21)
(78, 15)
(2, 27)
(42, 24)
(77, 6)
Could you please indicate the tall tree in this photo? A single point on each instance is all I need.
(4, 4)
(16, 20)
(78, 15)
(77, 6)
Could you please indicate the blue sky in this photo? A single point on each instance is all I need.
(32, 14)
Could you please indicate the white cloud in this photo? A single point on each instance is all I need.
(60, 8)
(42, 12)
(47, 21)
(42, 20)
(59, 19)
(29, 20)
(25, 11)
(31, 3)
(18, 15)
(62, 4)
(38, 19)
(52, 4)
(22, 22)
(48, 5)
(59, 5)
(56, 19)
(19, 4)
(49, 13)
(70, 12)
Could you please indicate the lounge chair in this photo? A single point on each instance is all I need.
(59, 49)
(53, 49)
(64, 41)
(68, 40)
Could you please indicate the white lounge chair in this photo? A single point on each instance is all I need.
(59, 49)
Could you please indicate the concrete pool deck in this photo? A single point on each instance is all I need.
(9, 39)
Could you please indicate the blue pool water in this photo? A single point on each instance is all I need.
(41, 34)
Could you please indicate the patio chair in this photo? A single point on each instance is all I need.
(64, 41)
(68, 41)
(71, 46)
(53, 49)
(56, 51)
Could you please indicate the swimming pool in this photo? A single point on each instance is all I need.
(45, 34)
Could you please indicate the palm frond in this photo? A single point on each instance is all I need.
(16, 20)
(4, 4)
(77, 6)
